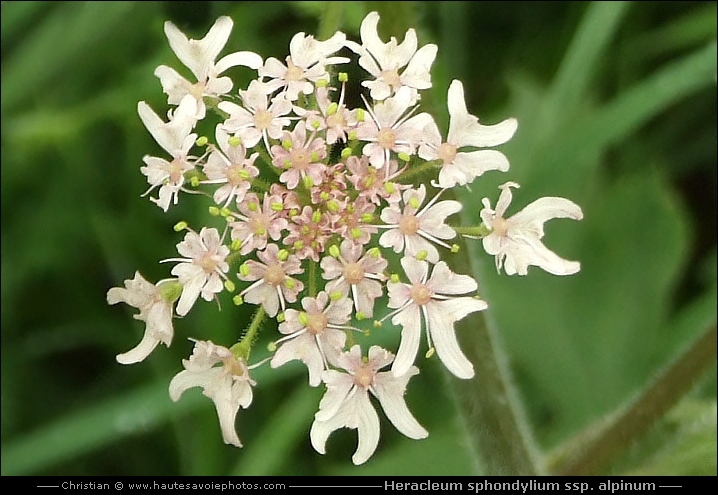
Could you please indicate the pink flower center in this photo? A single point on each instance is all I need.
(316, 323)
(234, 175)
(447, 152)
(259, 224)
(500, 226)
(391, 77)
(409, 224)
(263, 119)
(294, 73)
(364, 376)
(208, 262)
(353, 273)
(387, 139)
(176, 171)
(420, 294)
(274, 275)
(300, 159)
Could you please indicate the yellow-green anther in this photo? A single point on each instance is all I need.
(280, 317)
(293, 212)
(276, 206)
(374, 252)
(414, 202)
(404, 157)
(335, 295)
(316, 125)
(237, 300)
(170, 290)
(346, 153)
(367, 217)
(367, 332)
(298, 245)
(287, 164)
(230, 218)
(317, 216)
(430, 353)
(321, 83)
(225, 212)
(289, 283)
(244, 270)
(377, 324)
(194, 181)
(202, 141)
(253, 206)
(287, 144)
(355, 233)
(333, 206)
(332, 109)
(360, 315)
(260, 231)
(229, 285)
(315, 156)
(343, 77)
(272, 346)
(361, 115)
(308, 182)
(234, 141)
(180, 226)
(455, 248)
(352, 135)
(324, 195)
(394, 278)
(214, 211)
(283, 255)
(236, 244)
(389, 187)
(334, 251)
(421, 255)
(244, 174)
(303, 319)
(304, 230)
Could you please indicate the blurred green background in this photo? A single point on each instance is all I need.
(616, 104)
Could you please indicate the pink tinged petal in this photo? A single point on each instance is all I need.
(416, 270)
(187, 379)
(504, 198)
(390, 392)
(544, 209)
(218, 86)
(416, 244)
(321, 429)
(227, 409)
(367, 427)
(366, 292)
(243, 58)
(192, 278)
(475, 163)
(159, 321)
(493, 243)
(199, 55)
(398, 294)
(410, 320)
(452, 174)
(417, 73)
(539, 255)
(432, 219)
(464, 128)
(339, 385)
(392, 238)
(173, 85)
(303, 348)
(444, 281)
(141, 351)
(442, 315)
(331, 268)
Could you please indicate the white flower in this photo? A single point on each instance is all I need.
(435, 299)
(202, 269)
(516, 241)
(306, 64)
(384, 60)
(346, 402)
(315, 336)
(155, 305)
(175, 138)
(411, 230)
(462, 167)
(229, 166)
(228, 385)
(199, 56)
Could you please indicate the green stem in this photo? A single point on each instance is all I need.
(596, 446)
(242, 348)
(489, 405)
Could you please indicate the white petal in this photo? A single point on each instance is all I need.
(410, 320)
(141, 351)
(367, 428)
(243, 58)
(390, 392)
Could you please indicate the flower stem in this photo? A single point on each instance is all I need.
(489, 405)
(593, 449)
(242, 348)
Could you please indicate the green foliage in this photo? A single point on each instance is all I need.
(616, 105)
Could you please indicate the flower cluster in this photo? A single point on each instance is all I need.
(328, 222)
